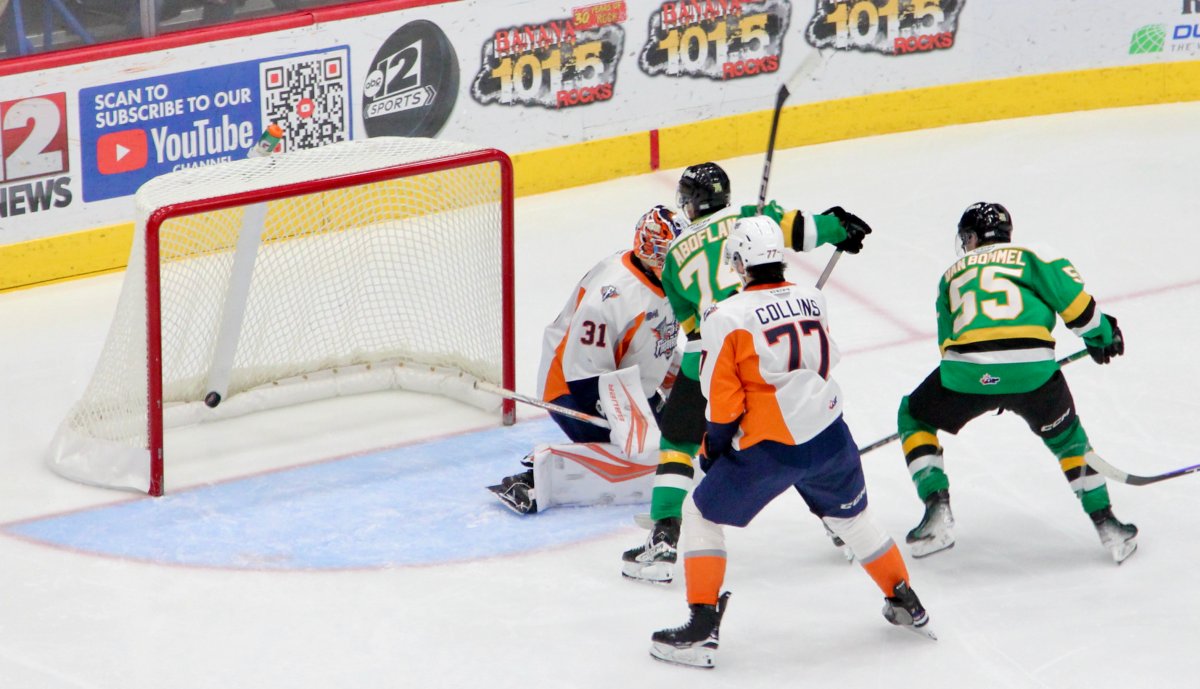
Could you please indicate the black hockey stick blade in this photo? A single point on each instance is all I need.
(1061, 362)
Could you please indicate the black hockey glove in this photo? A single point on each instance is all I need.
(717, 442)
(855, 228)
(1102, 354)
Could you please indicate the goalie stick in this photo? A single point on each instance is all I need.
(534, 402)
(896, 436)
(806, 68)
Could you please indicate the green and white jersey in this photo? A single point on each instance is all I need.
(694, 274)
(996, 309)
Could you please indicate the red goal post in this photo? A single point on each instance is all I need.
(385, 263)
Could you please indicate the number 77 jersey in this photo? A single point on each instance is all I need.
(767, 356)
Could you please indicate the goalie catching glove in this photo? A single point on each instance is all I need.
(856, 230)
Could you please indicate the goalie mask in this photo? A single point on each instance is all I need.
(983, 223)
(703, 189)
(753, 242)
(654, 233)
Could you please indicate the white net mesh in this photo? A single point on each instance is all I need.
(375, 285)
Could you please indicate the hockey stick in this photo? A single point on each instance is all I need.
(548, 406)
(805, 70)
(1111, 472)
(896, 436)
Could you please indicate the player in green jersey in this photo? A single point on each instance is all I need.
(996, 306)
(694, 278)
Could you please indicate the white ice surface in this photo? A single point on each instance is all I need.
(1026, 599)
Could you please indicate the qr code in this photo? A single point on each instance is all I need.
(308, 96)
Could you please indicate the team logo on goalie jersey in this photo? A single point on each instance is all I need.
(608, 291)
(989, 379)
(665, 332)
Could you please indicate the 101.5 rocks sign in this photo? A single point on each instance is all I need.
(557, 63)
(717, 39)
(890, 27)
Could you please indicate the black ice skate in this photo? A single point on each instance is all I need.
(1120, 539)
(695, 643)
(934, 533)
(516, 492)
(904, 609)
(655, 560)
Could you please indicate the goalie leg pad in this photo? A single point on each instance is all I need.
(586, 474)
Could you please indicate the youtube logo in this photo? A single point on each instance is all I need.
(119, 152)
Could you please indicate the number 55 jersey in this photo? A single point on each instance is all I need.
(767, 356)
(996, 308)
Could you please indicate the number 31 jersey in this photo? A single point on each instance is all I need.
(767, 358)
(615, 317)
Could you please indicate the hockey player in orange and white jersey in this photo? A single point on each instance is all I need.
(774, 422)
(607, 353)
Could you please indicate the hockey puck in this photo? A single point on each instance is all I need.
(212, 399)
(412, 83)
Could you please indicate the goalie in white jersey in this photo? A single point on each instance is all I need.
(774, 422)
(607, 353)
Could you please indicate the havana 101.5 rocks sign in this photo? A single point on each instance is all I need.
(890, 27)
(717, 39)
(554, 63)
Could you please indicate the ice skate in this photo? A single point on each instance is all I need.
(516, 492)
(655, 560)
(1120, 539)
(934, 533)
(695, 643)
(904, 609)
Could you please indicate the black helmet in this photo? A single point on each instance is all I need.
(703, 189)
(990, 223)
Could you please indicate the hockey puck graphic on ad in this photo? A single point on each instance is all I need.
(412, 83)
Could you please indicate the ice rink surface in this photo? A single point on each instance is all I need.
(351, 543)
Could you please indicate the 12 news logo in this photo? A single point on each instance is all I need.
(34, 159)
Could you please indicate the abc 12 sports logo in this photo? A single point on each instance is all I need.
(558, 63)
(34, 160)
(412, 84)
(889, 27)
(717, 39)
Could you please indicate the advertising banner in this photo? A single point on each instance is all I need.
(133, 131)
(521, 75)
(35, 163)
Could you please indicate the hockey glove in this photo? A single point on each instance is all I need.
(855, 228)
(1103, 353)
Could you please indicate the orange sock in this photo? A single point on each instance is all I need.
(705, 574)
(887, 570)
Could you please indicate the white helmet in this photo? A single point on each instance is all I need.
(753, 241)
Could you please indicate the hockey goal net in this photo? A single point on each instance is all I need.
(362, 266)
